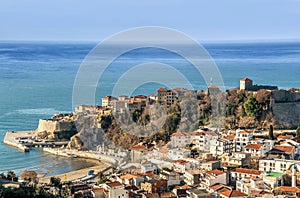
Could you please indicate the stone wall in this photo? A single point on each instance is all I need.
(54, 125)
(286, 109)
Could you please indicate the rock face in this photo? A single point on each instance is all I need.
(56, 129)
(286, 109)
(90, 135)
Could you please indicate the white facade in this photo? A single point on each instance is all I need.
(242, 138)
(276, 165)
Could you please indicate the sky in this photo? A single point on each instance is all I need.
(95, 20)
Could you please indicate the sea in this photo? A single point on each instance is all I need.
(37, 78)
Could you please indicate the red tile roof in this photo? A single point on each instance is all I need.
(180, 162)
(178, 134)
(114, 184)
(285, 149)
(288, 189)
(244, 132)
(254, 146)
(216, 186)
(162, 89)
(248, 171)
(139, 147)
(246, 79)
(233, 193)
(215, 172)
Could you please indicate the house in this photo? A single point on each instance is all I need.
(204, 140)
(171, 176)
(221, 146)
(210, 165)
(198, 193)
(257, 150)
(148, 166)
(180, 140)
(287, 190)
(181, 191)
(276, 165)
(212, 177)
(106, 101)
(287, 151)
(176, 154)
(138, 153)
(181, 166)
(242, 138)
(250, 185)
(237, 159)
(130, 179)
(98, 193)
(226, 193)
(115, 189)
(242, 173)
(154, 185)
(165, 96)
(192, 177)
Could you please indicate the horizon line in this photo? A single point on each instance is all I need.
(204, 41)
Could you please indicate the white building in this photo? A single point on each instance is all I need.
(214, 177)
(180, 140)
(115, 189)
(276, 165)
(242, 173)
(242, 138)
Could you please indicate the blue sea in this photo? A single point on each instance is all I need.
(36, 81)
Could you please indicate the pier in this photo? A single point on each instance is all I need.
(25, 140)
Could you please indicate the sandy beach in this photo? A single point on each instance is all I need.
(73, 175)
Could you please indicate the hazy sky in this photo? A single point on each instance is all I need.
(96, 19)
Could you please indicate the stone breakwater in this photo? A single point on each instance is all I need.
(15, 139)
(83, 154)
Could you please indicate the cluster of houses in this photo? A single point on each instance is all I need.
(207, 163)
(203, 163)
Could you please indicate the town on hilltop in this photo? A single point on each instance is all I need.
(255, 154)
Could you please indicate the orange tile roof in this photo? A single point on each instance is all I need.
(128, 176)
(215, 172)
(288, 189)
(254, 146)
(178, 134)
(286, 137)
(244, 132)
(138, 146)
(180, 161)
(167, 195)
(246, 79)
(285, 149)
(216, 186)
(232, 193)
(230, 137)
(98, 190)
(248, 171)
(183, 187)
(114, 184)
(162, 89)
(164, 151)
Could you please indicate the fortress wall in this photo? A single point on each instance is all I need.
(53, 125)
(285, 96)
(286, 115)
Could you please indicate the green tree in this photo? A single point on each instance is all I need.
(55, 181)
(271, 133)
(251, 106)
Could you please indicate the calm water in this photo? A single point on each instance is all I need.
(36, 80)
